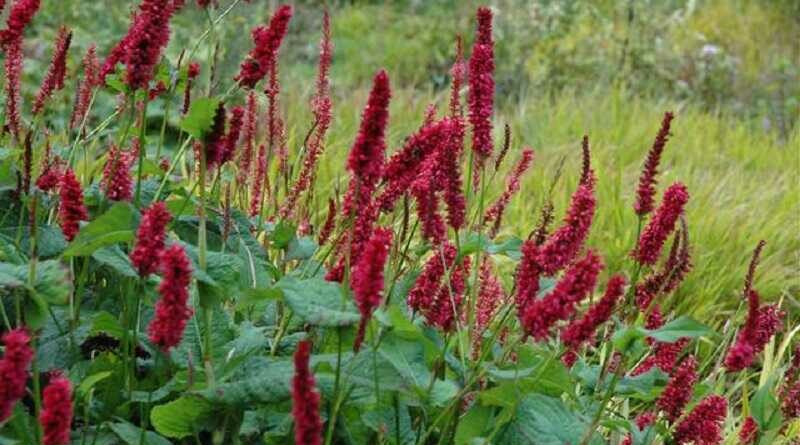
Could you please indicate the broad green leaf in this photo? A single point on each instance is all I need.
(51, 284)
(105, 323)
(114, 226)
(301, 248)
(543, 420)
(474, 423)
(200, 118)
(269, 385)
(510, 248)
(132, 434)
(115, 258)
(282, 234)
(679, 328)
(318, 302)
(387, 420)
(624, 338)
(88, 382)
(181, 417)
(765, 408)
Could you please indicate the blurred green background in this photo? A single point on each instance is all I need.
(730, 69)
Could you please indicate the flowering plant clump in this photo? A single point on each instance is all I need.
(214, 291)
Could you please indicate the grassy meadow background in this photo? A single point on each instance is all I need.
(729, 69)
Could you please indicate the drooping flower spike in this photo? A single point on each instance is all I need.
(267, 40)
(150, 238)
(56, 414)
(14, 369)
(305, 399)
(645, 194)
(367, 279)
(661, 224)
(54, 79)
(703, 425)
(172, 309)
(71, 209)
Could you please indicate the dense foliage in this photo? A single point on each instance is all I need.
(197, 295)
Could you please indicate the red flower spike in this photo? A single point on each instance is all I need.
(582, 330)
(321, 107)
(259, 181)
(234, 131)
(13, 71)
(566, 242)
(305, 399)
(54, 79)
(367, 278)
(214, 141)
(56, 414)
(678, 391)
(703, 425)
(528, 274)
(664, 357)
(490, 297)
(481, 98)
(366, 158)
(646, 192)
(51, 175)
(267, 41)
(578, 281)
(495, 212)
(150, 237)
(762, 323)
(71, 209)
(91, 72)
(117, 180)
(249, 136)
(172, 310)
(19, 17)
(421, 296)
(662, 224)
(14, 369)
(458, 72)
(328, 225)
(748, 432)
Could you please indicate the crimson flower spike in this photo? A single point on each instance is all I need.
(495, 212)
(678, 391)
(583, 329)
(91, 71)
(56, 414)
(14, 369)
(481, 87)
(367, 279)
(704, 424)
(54, 79)
(305, 399)
(540, 315)
(150, 237)
(13, 71)
(172, 309)
(267, 41)
(19, 17)
(645, 194)
(458, 72)
(140, 49)
(661, 225)
(71, 209)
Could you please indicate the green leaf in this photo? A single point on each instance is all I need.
(88, 382)
(51, 284)
(473, 424)
(543, 420)
(624, 338)
(301, 248)
(267, 384)
(200, 118)
(765, 408)
(131, 435)
(679, 328)
(181, 417)
(105, 323)
(114, 226)
(282, 234)
(318, 302)
(115, 258)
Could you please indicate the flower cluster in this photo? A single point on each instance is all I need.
(71, 209)
(267, 41)
(645, 194)
(539, 315)
(703, 425)
(150, 237)
(56, 414)
(582, 330)
(91, 73)
(495, 212)
(481, 86)
(679, 389)
(367, 278)
(661, 225)
(305, 399)
(172, 310)
(14, 368)
(117, 179)
(54, 79)
(436, 296)
(19, 17)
